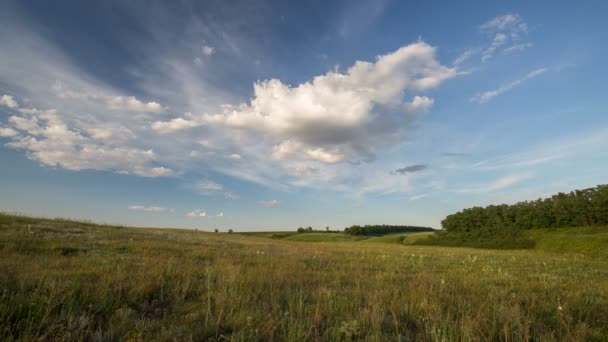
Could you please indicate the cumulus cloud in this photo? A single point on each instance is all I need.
(48, 139)
(307, 134)
(269, 203)
(411, 169)
(174, 125)
(8, 101)
(208, 50)
(337, 116)
(7, 132)
(150, 208)
(490, 94)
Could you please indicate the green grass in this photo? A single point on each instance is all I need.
(400, 238)
(586, 240)
(63, 280)
(269, 235)
(322, 237)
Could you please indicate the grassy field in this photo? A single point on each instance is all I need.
(62, 280)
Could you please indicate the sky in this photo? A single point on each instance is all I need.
(271, 115)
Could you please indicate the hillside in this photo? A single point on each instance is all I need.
(66, 280)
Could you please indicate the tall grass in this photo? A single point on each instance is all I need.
(70, 281)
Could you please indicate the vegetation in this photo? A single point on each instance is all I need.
(384, 229)
(578, 208)
(64, 280)
(508, 226)
(311, 230)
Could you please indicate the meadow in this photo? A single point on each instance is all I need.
(66, 280)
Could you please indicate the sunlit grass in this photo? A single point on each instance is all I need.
(62, 280)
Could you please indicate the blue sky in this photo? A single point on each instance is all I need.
(271, 115)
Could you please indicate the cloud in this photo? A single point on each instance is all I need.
(131, 103)
(499, 184)
(150, 209)
(490, 94)
(208, 187)
(8, 101)
(231, 196)
(197, 213)
(112, 102)
(7, 132)
(208, 50)
(518, 47)
(269, 204)
(335, 117)
(417, 197)
(46, 138)
(504, 30)
(499, 40)
(318, 133)
(455, 154)
(505, 22)
(411, 169)
(466, 55)
(302, 171)
(174, 125)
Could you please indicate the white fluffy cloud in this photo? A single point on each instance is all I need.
(337, 116)
(308, 134)
(208, 50)
(8, 101)
(50, 140)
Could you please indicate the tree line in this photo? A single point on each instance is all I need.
(577, 208)
(384, 229)
(311, 230)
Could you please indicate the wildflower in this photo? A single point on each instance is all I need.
(559, 307)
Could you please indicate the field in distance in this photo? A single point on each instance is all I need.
(66, 280)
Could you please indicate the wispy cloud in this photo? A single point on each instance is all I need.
(504, 30)
(490, 94)
(499, 184)
(518, 47)
(208, 187)
(269, 203)
(150, 208)
(197, 213)
(411, 169)
(466, 55)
